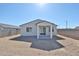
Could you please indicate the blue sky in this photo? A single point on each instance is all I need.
(17, 14)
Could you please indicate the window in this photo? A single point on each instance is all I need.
(17, 29)
(29, 29)
(52, 29)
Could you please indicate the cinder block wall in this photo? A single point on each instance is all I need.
(9, 32)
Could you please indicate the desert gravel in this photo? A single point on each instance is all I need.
(19, 48)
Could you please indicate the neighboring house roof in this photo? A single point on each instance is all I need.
(39, 21)
(8, 26)
(77, 27)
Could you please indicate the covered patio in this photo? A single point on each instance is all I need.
(45, 30)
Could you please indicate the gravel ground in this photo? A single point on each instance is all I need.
(19, 48)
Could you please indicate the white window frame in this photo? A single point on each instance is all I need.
(28, 29)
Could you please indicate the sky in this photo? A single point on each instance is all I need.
(58, 13)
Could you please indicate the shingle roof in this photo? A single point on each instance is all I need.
(77, 27)
(8, 26)
(39, 21)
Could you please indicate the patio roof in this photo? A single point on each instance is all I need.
(46, 22)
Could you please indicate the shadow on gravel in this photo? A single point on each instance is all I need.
(43, 44)
(46, 44)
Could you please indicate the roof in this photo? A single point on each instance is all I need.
(77, 27)
(39, 21)
(8, 26)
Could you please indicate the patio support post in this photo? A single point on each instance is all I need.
(54, 30)
(51, 32)
(37, 32)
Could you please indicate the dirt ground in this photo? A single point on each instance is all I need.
(73, 33)
(21, 48)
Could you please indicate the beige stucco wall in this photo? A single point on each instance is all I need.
(34, 28)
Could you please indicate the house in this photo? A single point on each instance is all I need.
(7, 30)
(39, 28)
(77, 27)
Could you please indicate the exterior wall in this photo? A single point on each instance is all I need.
(34, 28)
(23, 30)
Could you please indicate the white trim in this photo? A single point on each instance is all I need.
(37, 32)
(51, 32)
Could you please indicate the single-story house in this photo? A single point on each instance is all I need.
(39, 28)
(7, 30)
(77, 27)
